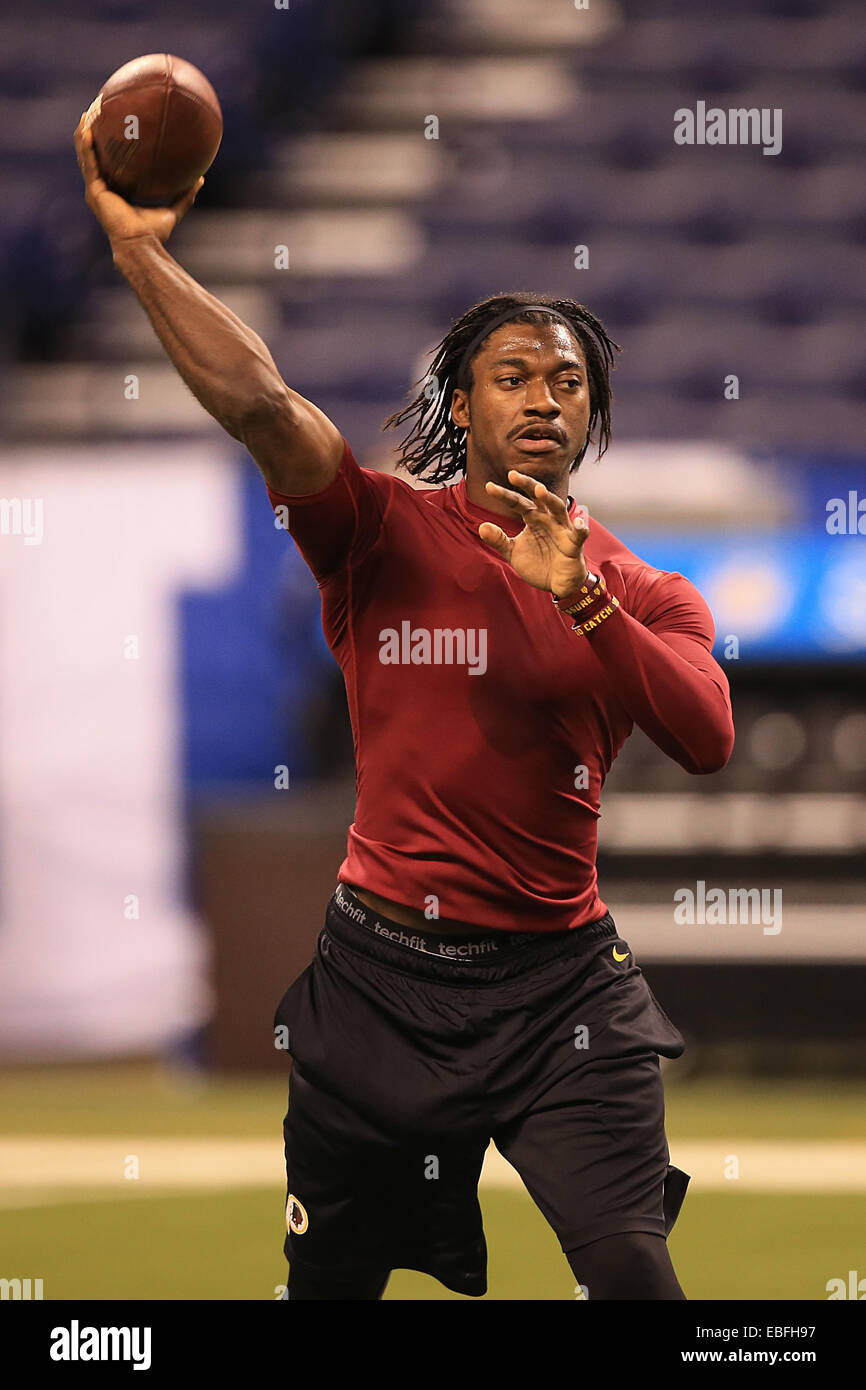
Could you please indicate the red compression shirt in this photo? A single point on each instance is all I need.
(469, 786)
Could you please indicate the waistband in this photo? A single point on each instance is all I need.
(459, 956)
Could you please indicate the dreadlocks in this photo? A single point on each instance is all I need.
(435, 449)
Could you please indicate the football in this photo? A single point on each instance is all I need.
(157, 126)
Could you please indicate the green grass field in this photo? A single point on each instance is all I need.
(96, 1242)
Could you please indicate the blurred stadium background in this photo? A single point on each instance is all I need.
(160, 653)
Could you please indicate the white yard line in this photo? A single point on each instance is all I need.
(48, 1171)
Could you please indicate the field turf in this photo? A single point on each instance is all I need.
(89, 1242)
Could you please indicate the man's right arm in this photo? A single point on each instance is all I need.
(223, 362)
(231, 373)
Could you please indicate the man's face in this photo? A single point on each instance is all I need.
(528, 407)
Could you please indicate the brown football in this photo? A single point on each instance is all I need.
(157, 126)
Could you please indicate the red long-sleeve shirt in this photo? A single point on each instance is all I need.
(475, 707)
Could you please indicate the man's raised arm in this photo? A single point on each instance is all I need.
(224, 363)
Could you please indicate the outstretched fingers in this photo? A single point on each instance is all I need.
(517, 503)
(540, 507)
(544, 499)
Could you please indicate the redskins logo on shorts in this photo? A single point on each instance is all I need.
(296, 1217)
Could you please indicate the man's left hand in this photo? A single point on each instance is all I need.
(548, 552)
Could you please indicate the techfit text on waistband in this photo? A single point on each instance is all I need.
(462, 949)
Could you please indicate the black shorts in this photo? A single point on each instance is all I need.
(407, 1063)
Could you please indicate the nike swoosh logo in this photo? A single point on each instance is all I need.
(617, 956)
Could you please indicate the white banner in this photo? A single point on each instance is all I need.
(99, 954)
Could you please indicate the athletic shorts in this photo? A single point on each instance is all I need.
(408, 1058)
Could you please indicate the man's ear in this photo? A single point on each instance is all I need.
(460, 408)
